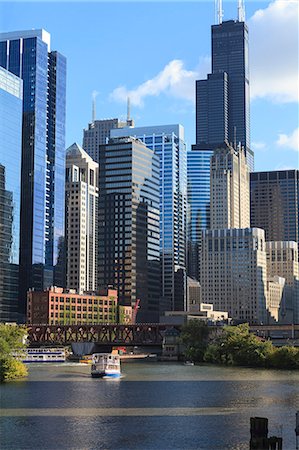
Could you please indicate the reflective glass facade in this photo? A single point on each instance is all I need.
(198, 188)
(168, 143)
(222, 101)
(10, 192)
(274, 204)
(129, 256)
(27, 55)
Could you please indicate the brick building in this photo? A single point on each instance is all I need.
(56, 307)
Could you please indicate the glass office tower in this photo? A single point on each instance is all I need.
(27, 54)
(168, 143)
(274, 204)
(11, 91)
(198, 194)
(129, 257)
(222, 100)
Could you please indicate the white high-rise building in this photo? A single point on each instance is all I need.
(229, 190)
(234, 272)
(81, 220)
(98, 133)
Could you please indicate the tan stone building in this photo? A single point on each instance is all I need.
(81, 220)
(229, 189)
(282, 260)
(275, 297)
(233, 273)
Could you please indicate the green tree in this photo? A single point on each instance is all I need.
(284, 358)
(237, 346)
(194, 337)
(12, 339)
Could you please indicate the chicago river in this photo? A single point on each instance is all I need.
(152, 406)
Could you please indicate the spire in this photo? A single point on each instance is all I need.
(241, 11)
(94, 96)
(130, 122)
(128, 110)
(218, 11)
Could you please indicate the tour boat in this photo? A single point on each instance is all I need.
(105, 365)
(42, 355)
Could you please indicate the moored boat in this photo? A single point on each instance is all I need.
(42, 355)
(105, 365)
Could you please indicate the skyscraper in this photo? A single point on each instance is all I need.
(274, 204)
(168, 143)
(11, 92)
(222, 100)
(81, 218)
(282, 260)
(27, 54)
(129, 224)
(198, 194)
(234, 272)
(229, 189)
(98, 133)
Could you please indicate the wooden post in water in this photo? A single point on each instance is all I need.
(259, 433)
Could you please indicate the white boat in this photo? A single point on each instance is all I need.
(188, 363)
(42, 355)
(105, 365)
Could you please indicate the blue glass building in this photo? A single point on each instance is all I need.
(198, 193)
(168, 143)
(222, 100)
(27, 54)
(11, 92)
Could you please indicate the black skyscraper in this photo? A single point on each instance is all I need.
(222, 100)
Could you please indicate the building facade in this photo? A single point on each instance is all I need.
(222, 100)
(229, 190)
(198, 200)
(282, 261)
(98, 133)
(234, 273)
(129, 224)
(55, 306)
(81, 218)
(27, 55)
(167, 141)
(274, 204)
(11, 95)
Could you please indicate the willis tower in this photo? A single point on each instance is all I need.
(222, 100)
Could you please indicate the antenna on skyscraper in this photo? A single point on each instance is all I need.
(219, 11)
(130, 122)
(94, 96)
(128, 110)
(241, 11)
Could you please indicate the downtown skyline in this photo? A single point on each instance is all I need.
(161, 84)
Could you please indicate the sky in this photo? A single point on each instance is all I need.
(154, 51)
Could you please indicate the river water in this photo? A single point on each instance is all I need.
(154, 406)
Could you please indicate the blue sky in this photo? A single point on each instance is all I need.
(155, 50)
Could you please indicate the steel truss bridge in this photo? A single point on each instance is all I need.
(111, 334)
(131, 335)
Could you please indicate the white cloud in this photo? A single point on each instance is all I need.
(273, 43)
(174, 79)
(259, 146)
(289, 140)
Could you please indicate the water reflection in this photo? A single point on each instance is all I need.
(153, 406)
